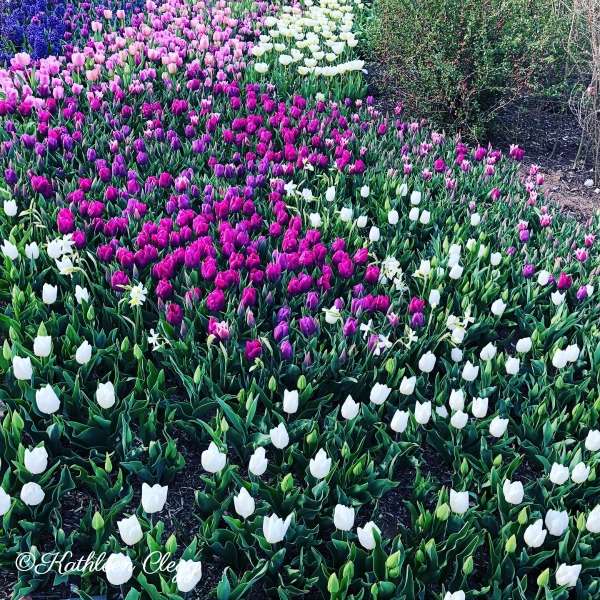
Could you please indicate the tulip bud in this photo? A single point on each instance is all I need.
(468, 566)
(301, 382)
(171, 544)
(287, 483)
(511, 544)
(443, 512)
(543, 577)
(97, 522)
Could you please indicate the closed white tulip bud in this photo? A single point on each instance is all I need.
(361, 223)
(422, 412)
(559, 474)
(456, 354)
(47, 401)
(459, 419)
(427, 362)
(456, 272)
(425, 217)
(32, 494)
(9, 250)
(557, 521)
(498, 426)
(495, 259)
(399, 421)
(407, 385)
(488, 352)
(49, 293)
(320, 465)
(415, 197)
(36, 460)
(513, 492)
(279, 436)
(524, 345)
(498, 307)
(212, 459)
(343, 517)
(42, 345)
(330, 194)
(55, 249)
(365, 535)
(154, 498)
(5, 502)
(470, 371)
(22, 368)
(10, 208)
(274, 528)
(592, 523)
(475, 219)
(290, 401)
(188, 574)
(32, 251)
(402, 190)
(580, 473)
(572, 352)
(374, 234)
(434, 298)
(393, 217)
(413, 214)
(365, 191)
(457, 400)
(592, 441)
(350, 408)
(105, 395)
(130, 530)
(470, 244)
(458, 335)
(118, 568)
(459, 595)
(84, 353)
(480, 407)
(459, 502)
(380, 393)
(346, 214)
(567, 575)
(559, 360)
(512, 366)
(244, 504)
(258, 462)
(535, 534)
(442, 411)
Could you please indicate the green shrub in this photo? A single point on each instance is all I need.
(459, 62)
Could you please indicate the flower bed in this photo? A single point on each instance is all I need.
(263, 329)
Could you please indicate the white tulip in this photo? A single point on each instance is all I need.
(5, 502)
(380, 393)
(498, 426)
(425, 217)
(22, 368)
(105, 395)
(427, 362)
(366, 536)
(459, 595)
(592, 523)
(42, 345)
(415, 197)
(535, 534)
(456, 354)
(402, 190)
(495, 259)
(488, 352)
(567, 575)
(572, 352)
(513, 492)
(290, 401)
(81, 294)
(498, 307)
(413, 214)
(557, 298)
(393, 217)
(154, 498)
(130, 530)
(592, 441)
(456, 272)
(346, 214)
(422, 412)
(457, 400)
(365, 191)
(559, 474)
(36, 460)
(10, 208)
(46, 399)
(279, 436)
(399, 421)
(407, 385)
(350, 408)
(470, 372)
(32, 251)
(258, 462)
(434, 298)
(479, 407)
(330, 194)
(442, 411)
(543, 277)
(557, 521)
(9, 250)
(32, 494)
(361, 223)
(187, 575)
(320, 465)
(83, 353)
(244, 504)
(49, 293)
(459, 419)
(459, 502)
(524, 345)
(118, 568)
(343, 517)
(559, 360)
(475, 219)
(274, 528)
(212, 459)
(580, 473)
(512, 366)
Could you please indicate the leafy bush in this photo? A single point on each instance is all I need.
(458, 62)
